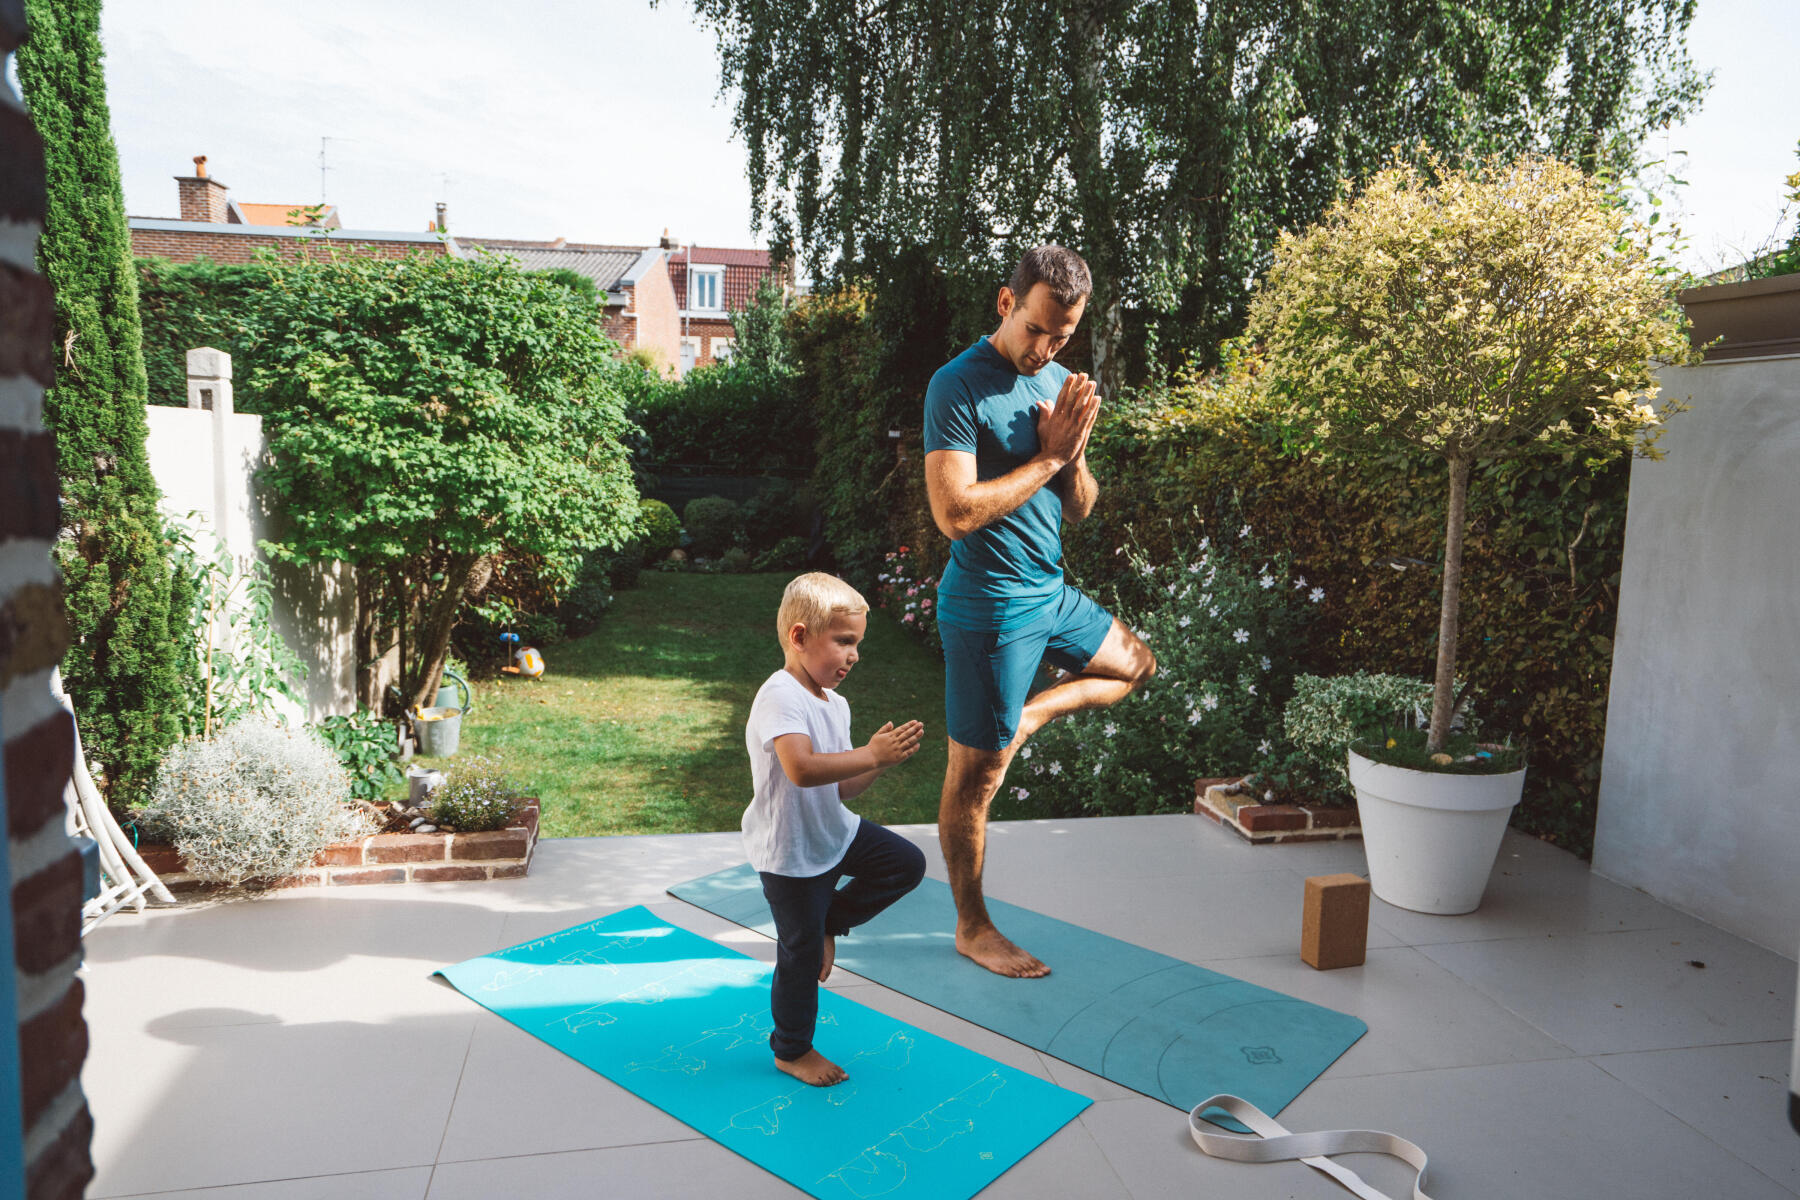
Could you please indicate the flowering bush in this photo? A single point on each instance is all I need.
(910, 595)
(1327, 714)
(475, 796)
(1220, 624)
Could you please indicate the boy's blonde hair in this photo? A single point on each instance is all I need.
(811, 599)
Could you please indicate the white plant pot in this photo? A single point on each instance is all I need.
(1431, 838)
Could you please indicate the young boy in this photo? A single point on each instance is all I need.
(797, 832)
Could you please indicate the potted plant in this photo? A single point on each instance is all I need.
(1509, 310)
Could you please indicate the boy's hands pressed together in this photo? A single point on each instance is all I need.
(890, 745)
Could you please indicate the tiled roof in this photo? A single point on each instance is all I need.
(744, 271)
(605, 265)
(277, 214)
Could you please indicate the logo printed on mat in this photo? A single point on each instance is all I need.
(1260, 1056)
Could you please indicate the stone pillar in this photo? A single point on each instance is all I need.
(45, 871)
(209, 390)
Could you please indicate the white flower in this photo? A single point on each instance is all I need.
(1193, 716)
(1196, 568)
(1020, 792)
(1316, 595)
(1171, 589)
(1244, 532)
(1204, 543)
(1251, 688)
(1209, 701)
(1262, 747)
(1268, 581)
(1299, 581)
(1212, 610)
(1096, 770)
(1240, 636)
(1265, 662)
(1185, 621)
(1025, 753)
(1056, 768)
(1111, 729)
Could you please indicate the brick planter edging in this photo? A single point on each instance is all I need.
(1259, 823)
(392, 858)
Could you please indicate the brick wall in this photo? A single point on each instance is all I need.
(181, 245)
(38, 736)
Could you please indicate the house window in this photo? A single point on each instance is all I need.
(723, 348)
(705, 285)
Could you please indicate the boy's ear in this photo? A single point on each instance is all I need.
(796, 634)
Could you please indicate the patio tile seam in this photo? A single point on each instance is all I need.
(221, 1187)
(676, 1141)
(450, 1110)
(1650, 1099)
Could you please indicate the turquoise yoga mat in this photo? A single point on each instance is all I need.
(684, 1023)
(1167, 1028)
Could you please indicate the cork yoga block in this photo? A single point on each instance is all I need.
(1334, 931)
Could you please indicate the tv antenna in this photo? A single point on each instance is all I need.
(324, 143)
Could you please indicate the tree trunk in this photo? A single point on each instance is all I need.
(1086, 43)
(1443, 692)
(369, 648)
(464, 575)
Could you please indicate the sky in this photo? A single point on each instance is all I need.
(601, 120)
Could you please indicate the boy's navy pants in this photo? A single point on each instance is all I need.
(883, 866)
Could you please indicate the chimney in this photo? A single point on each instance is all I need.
(202, 197)
(443, 217)
(668, 243)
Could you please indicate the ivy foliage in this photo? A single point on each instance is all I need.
(124, 670)
(428, 414)
(191, 304)
(1168, 141)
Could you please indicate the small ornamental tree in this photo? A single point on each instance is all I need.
(427, 417)
(1509, 310)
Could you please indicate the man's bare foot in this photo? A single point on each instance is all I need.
(814, 1068)
(995, 951)
(830, 957)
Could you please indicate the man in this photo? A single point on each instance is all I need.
(1006, 431)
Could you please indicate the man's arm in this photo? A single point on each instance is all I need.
(1079, 490)
(961, 503)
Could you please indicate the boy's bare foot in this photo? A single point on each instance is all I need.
(830, 957)
(814, 1068)
(992, 949)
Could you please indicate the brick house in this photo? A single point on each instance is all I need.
(642, 289)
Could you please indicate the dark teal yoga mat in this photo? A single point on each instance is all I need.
(1167, 1028)
(684, 1023)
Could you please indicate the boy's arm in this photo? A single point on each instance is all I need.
(806, 768)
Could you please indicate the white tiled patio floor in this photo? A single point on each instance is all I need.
(1557, 1043)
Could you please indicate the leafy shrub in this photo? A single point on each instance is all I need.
(735, 561)
(773, 513)
(476, 795)
(364, 745)
(1221, 625)
(661, 530)
(786, 555)
(590, 595)
(1327, 714)
(713, 523)
(257, 802)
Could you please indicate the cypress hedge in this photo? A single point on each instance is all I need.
(123, 669)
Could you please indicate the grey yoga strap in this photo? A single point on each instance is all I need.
(1273, 1143)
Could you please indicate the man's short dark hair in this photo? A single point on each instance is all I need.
(1057, 266)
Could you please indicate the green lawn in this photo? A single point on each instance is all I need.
(639, 726)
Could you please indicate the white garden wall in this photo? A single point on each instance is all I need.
(1700, 796)
(205, 461)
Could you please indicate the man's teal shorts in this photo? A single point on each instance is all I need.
(990, 657)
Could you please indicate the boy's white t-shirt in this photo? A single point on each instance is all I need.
(790, 830)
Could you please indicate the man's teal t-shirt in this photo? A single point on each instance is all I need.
(978, 402)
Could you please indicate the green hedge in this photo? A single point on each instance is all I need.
(1540, 574)
(731, 417)
(185, 305)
